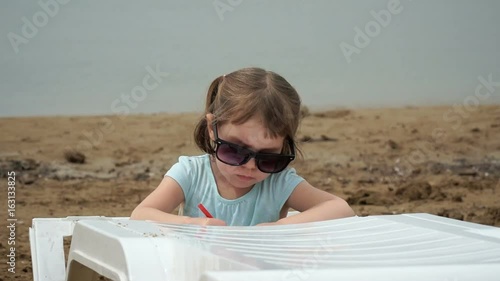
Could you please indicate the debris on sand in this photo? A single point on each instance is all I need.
(27, 164)
(73, 156)
(322, 138)
(339, 113)
(392, 144)
(29, 171)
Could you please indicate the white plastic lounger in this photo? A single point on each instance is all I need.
(392, 247)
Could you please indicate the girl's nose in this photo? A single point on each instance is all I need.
(250, 164)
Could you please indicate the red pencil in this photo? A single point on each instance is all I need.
(205, 211)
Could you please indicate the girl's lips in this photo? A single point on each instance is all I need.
(245, 178)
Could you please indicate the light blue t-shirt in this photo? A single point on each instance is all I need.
(261, 204)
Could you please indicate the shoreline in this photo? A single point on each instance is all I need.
(313, 109)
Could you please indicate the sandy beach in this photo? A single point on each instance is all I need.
(382, 161)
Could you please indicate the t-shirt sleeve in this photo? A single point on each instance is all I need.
(284, 184)
(182, 172)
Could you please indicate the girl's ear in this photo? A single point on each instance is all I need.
(210, 119)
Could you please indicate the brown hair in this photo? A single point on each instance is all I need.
(251, 92)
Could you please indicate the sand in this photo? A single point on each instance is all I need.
(382, 161)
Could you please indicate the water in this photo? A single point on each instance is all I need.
(91, 53)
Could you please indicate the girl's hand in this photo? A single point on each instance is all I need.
(206, 221)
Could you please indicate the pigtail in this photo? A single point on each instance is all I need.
(212, 94)
(201, 136)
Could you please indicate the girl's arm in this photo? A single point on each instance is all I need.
(162, 201)
(315, 205)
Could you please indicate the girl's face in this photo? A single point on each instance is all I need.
(252, 135)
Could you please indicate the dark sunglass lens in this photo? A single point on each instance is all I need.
(230, 155)
(272, 164)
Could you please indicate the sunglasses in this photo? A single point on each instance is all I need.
(236, 155)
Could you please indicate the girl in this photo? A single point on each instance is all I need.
(248, 132)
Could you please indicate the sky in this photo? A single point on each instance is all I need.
(92, 57)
